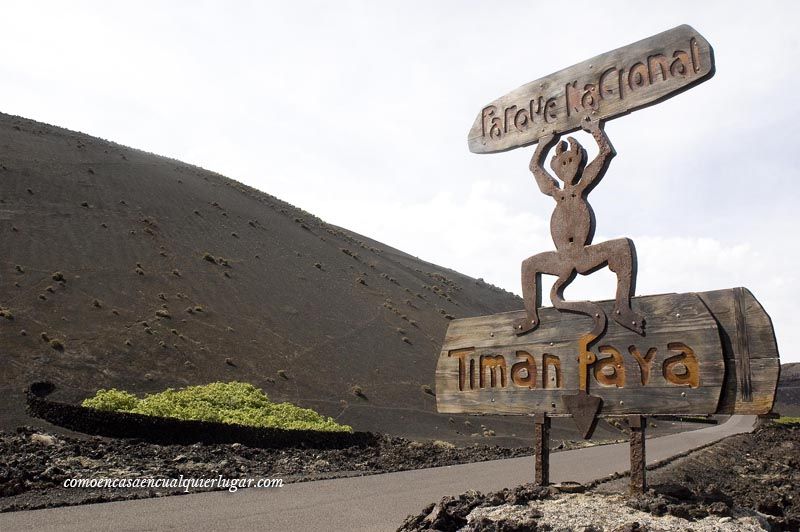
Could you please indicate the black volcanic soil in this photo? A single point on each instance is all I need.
(35, 464)
(124, 269)
(757, 472)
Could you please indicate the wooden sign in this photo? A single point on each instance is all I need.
(705, 353)
(604, 87)
(702, 354)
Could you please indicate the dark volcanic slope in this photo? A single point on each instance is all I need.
(788, 397)
(174, 275)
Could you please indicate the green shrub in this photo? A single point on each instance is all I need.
(224, 402)
(113, 400)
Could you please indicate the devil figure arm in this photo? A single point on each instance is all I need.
(594, 171)
(547, 184)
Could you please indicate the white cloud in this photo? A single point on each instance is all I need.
(358, 112)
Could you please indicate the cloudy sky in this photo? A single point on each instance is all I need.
(359, 111)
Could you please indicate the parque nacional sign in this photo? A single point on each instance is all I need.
(671, 354)
(607, 86)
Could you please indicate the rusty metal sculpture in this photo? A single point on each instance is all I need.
(572, 226)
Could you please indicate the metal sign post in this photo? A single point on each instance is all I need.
(638, 483)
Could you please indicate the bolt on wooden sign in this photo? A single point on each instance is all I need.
(696, 353)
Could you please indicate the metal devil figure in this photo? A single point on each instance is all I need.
(672, 354)
(572, 226)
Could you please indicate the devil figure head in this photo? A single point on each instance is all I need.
(568, 164)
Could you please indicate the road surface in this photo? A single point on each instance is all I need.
(371, 503)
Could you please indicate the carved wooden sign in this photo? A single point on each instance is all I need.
(703, 353)
(712, 352)
(604, 87)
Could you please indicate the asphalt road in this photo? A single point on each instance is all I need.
(371, 503)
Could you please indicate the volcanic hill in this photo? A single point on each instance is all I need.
(125, 269)
(787, 399)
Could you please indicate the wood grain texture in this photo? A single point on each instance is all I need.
(764, 360)
(558, 335)
(478, 369)
(605, 87)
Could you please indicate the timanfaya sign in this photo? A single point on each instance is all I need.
(712, 352)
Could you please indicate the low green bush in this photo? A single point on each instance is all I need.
(112, 400)
(224, 402)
